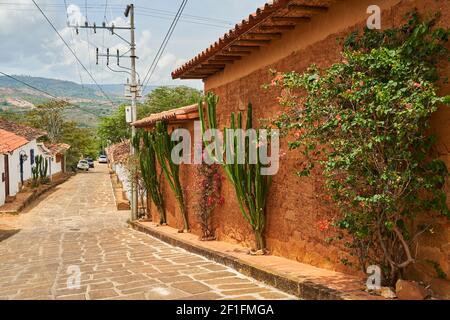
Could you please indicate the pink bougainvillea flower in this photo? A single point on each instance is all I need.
(417, 85)
(323, 225)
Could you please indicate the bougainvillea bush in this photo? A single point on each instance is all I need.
(208, 185)
(363, 122)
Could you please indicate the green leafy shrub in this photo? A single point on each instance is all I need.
(365, 121)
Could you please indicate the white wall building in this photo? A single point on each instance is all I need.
(18, 148)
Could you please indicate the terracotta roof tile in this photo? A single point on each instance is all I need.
(170, 115)
(118, 153)
(57, 148)
(10, 141)
(271, 18)
(28, 133)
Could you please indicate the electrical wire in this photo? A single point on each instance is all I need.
(162, 47)
(73, 53)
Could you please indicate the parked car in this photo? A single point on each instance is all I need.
(103, 159)
(83, 165)
(90, 161)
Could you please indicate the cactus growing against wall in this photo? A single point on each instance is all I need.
(250, 185)
(39, 171)
(35, 176)
(144, 143)
(163, 146)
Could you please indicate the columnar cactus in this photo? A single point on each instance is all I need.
(144, 144)
(163, 146)
(251, 187)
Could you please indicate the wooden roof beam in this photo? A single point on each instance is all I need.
(238, 48)
(308, 8)
(263, 36)
(252, 42)
(291, 19)
(277, 28)
(228, 57)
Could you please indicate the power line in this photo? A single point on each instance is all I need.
(73, 40)
(146, 12)
(73, 53)
(30, 86)
(163, 46)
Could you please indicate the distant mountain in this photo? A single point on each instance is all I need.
(59, 88)
(89, 103)
(119, 89)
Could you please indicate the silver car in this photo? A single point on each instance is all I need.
(102, 159)
(83, 165)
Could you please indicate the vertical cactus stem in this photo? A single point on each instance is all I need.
(250, 186)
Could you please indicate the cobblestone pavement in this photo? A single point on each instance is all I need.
(78, 228)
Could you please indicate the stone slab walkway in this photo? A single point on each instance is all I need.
(299, 279)
(74, 244)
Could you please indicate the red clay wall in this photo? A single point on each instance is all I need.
(296, 205)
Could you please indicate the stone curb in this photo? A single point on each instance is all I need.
(34, 196)
(307, 290)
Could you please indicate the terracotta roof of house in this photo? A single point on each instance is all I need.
(179, 114)
(259, 29)
(10, 141)
(119, 152)
(57, 148)
(28, 133)
(53, 149)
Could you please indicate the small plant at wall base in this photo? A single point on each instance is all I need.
(163, 146)
(209, 181)
(364, 120)
(39, 171)
(252, 188)
(144, 143)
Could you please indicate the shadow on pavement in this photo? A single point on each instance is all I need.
(5, 234)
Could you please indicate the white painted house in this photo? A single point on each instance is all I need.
(55, 155)
(18, 148)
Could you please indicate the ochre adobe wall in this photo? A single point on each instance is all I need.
(296, 205)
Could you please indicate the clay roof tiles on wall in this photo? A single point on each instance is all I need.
(10, 141)
(259, 29)
(119, 152)
(179, 114)
(28, 133)
(57, 148)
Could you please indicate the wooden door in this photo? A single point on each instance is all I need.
(6, 159)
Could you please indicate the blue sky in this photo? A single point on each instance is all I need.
(31, 47)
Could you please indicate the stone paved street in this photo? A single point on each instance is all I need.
(78, 228)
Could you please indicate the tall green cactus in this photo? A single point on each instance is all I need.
(163, 146)
(147, 163)
(250, 186)
(35, 176)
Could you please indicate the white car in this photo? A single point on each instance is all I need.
(102, 159)
(83, 165)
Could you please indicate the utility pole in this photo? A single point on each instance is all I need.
(132, 88)
(134, 93)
